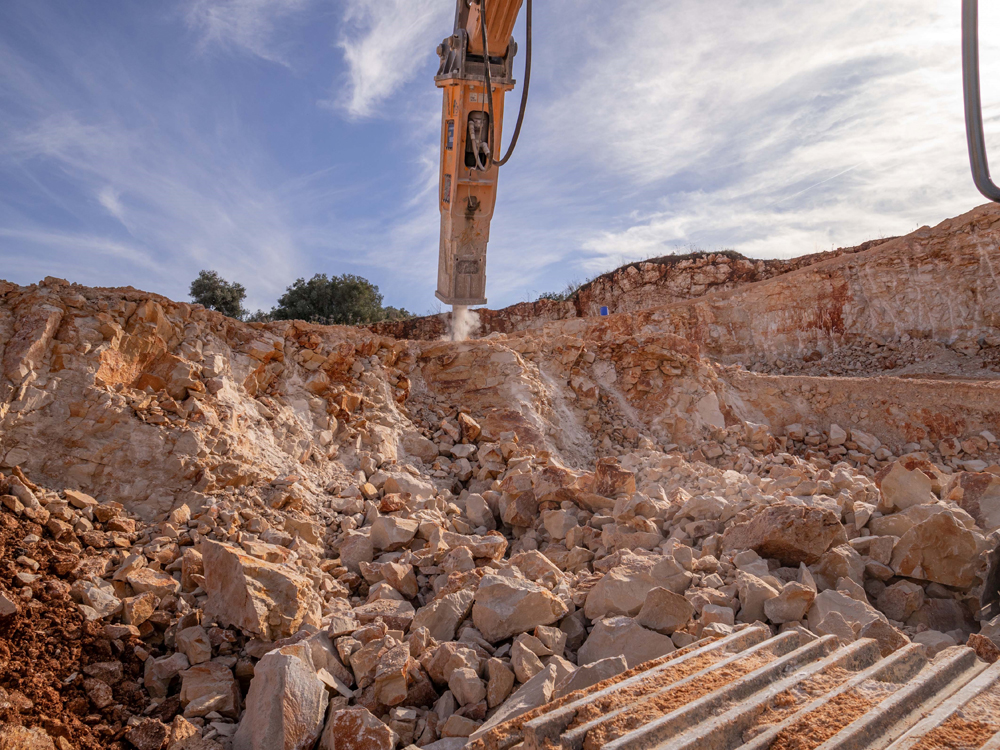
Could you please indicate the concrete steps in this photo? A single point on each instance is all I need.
(793, 691)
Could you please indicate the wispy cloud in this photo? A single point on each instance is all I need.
(384, 44)
(185, 199)
(774, 128)
(247, 25)
(111, 200)
(73, 244)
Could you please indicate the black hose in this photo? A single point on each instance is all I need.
(489, 85)
(973, 101)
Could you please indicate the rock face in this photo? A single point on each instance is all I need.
(790, 534)
(265, 599)
(640, 285)
(508, 606)
(286, 704)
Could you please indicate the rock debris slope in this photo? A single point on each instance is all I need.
(256, 536)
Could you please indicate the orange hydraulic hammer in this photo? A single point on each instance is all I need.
(476, 73)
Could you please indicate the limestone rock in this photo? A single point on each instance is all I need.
(524, 662)
(907, 482)
(889, 638)
(466, 686)
(402, 578)
(791, 604)
(900, 600)
(754, 595)
(420, 447)
(137, 609)
(842, 561)
(558, 523)
(939, 549)
(209, 687)
(397, 615)
(286, 704)
(459, 726)
(978, 494)
(519, 511)
(591, 674)
(985, 648)
(390, 533)
(307, 530)
(664, 611)
(837, 435)
(623, 590)
(479, 512)
(145, 580)
(402, 482)
(790, 533)
(390, 681)
(716, 613)
(159, 673)
(623, 636)
(611, 480)
(934, 642)
(194, 644)
(443, 616)
(263, 599)
(356, 548)
(356, 729)
(857, 614)
(8, 605)
(148, 734)
(532, 694)
(501, 681)
(508, 606)
(471, 429)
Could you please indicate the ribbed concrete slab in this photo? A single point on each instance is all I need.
(969, 718)
(745, 720)
(733, 684)
(788, 692)
(631, 683)
(552, 724)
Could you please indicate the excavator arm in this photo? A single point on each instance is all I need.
(471, 130)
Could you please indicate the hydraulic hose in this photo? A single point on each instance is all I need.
(973, 101)
(489, 85)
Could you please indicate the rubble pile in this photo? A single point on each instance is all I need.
(900, 355)
(417, 619)
(250, 536)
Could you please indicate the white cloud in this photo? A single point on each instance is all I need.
(775, 128)
(243, 24)
(111, 200)
(385, 43)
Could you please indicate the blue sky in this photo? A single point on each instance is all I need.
(271, 139)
